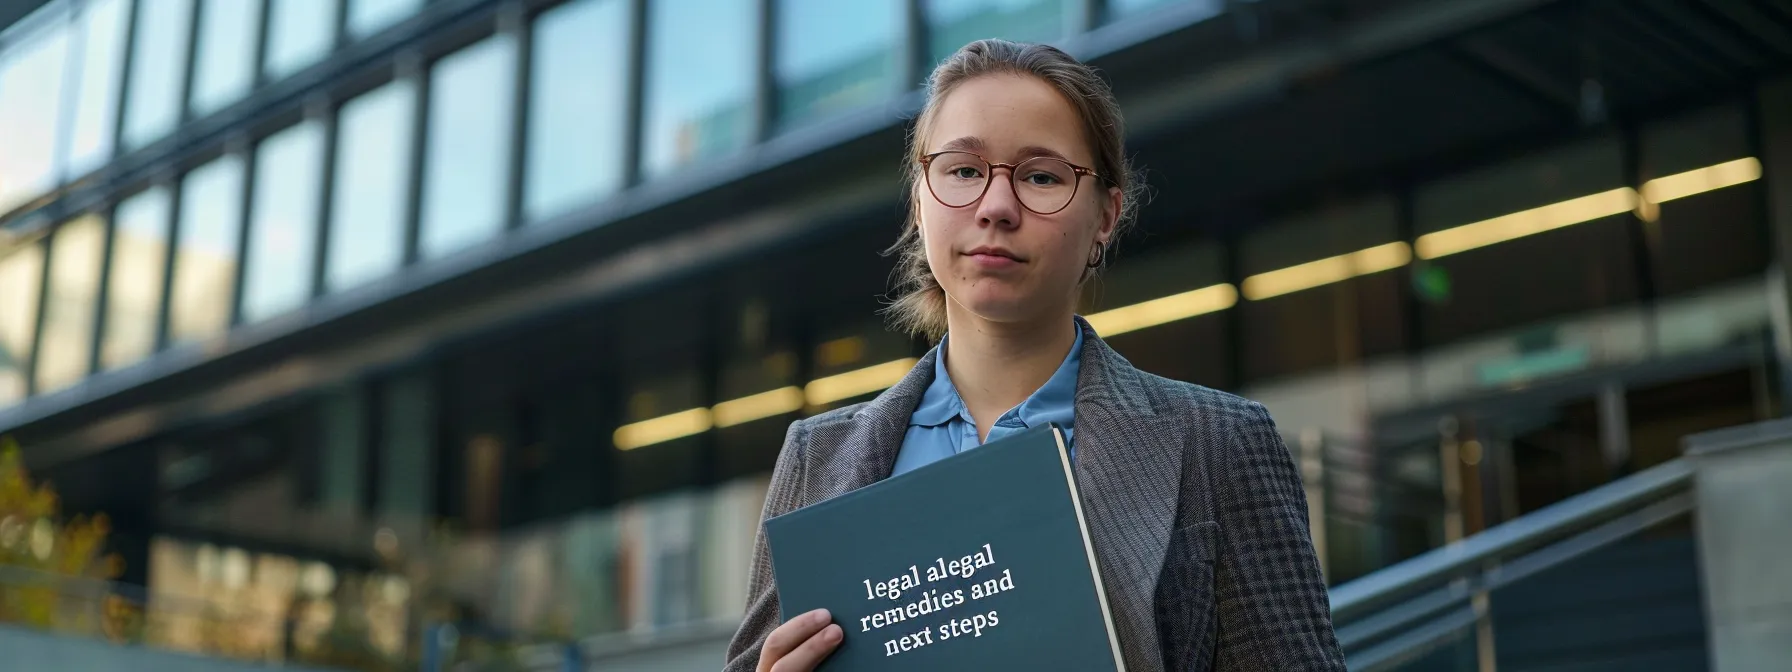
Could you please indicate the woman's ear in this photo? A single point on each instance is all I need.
(1110, 215)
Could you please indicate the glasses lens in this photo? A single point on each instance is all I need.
(957, 178)
(1044, 185)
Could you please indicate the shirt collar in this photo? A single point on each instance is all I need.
(940, 402)
(1054, 401)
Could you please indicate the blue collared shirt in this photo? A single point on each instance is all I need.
(942, 426)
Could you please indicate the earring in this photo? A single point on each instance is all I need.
(1101, 255)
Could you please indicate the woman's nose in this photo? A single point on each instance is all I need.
(1000, 205)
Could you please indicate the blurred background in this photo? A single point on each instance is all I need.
(463, 334)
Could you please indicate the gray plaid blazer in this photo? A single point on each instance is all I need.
(1197, 513)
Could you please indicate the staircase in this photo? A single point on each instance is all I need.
(1679, 567)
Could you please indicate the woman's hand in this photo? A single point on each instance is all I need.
(799, 645)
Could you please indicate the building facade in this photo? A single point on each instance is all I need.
(494, 312)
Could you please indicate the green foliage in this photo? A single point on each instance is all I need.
(52, 571)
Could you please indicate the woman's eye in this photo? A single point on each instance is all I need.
(966, 172)
(1043, 179)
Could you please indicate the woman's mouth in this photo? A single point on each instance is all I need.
(994, 257)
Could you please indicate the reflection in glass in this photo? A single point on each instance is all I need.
(224, 66)
(699, 87)
(158, 72)
(76, 252)
(299, 33)
(955, 23)
(205, 251)
(134, 288)
(1123, 8)
(836, 55)
(31, 77)
(577, 107)
(101, 25)
(20, 271)
(278, 261)
(366, 17)
(468, 151)
(372, 177)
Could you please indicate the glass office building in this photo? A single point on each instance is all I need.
(375, 314)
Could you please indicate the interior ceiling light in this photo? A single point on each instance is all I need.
(1171, 308)
(1326, 271)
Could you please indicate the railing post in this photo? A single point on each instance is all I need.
(1483, 604)
(574, 659)
(437, 639)
(1313, 475)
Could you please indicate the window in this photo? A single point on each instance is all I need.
(699, 81)
(205, 254)
(299, 33)
(1340, 317)
(834, 56)
(955, 23)
(134, 288)
(70, 302)
(368, 206)
(101, 53)
(661, 387)
(282, 250)
(31, 76)
(21, 269)
(406, 469)
(468, 147)
(158, 72)
(1192, 349)
(1710, 237)
(578, 106)
(758, 385)
(1118, 9)
(366, 17)
(1527, 279)
(225, 67)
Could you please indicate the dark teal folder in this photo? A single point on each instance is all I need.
(980, 561)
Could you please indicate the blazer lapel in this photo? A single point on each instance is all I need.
(1128, 474)
(879, 426)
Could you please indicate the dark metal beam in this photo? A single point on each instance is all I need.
(915, 63)
(412, 66)
(246, 153)
(634, 107)
(515, 22)
(764, 103)
(1511, 70)
(323, 110)
(1761, 28)
(1268, 75)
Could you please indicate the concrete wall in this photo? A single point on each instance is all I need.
(25, 649)
(706, 656)
(1744, 546)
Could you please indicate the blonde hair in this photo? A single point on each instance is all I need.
(920, 304)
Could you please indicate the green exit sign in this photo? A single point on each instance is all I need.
(1533, 365)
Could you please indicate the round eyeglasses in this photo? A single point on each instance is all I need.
(1043, 184)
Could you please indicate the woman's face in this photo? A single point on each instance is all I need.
(994, 257)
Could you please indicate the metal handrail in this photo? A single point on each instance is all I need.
(1507, 539)
(1403, 610)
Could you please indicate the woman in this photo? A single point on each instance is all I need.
(1019, 183)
